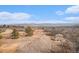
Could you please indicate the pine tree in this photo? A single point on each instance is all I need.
(0, 34)
(0, 30)
(29, 31)
(15, 34)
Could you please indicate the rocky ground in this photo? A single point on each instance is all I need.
(38, 43)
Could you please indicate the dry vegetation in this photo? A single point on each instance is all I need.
(43, 39)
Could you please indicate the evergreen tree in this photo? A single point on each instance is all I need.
(0, 34)
(29, 31)
(15, 34)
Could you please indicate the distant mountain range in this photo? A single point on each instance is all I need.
(46, 24)
(50, 24)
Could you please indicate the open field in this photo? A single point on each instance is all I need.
(45, 39)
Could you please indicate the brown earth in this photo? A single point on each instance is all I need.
(37, 43)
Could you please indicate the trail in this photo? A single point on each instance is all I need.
(39, 42)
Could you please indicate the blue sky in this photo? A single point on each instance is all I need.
(10, 14)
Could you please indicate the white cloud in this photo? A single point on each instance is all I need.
(69, 10)
(72, 19)
(72, 10)
(14, 16)
(59, 12)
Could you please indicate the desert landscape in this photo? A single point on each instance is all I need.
(39, 29)
(39, 39)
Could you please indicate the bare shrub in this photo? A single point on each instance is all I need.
(61, 44)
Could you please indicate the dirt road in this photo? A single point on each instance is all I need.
(39, 42)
